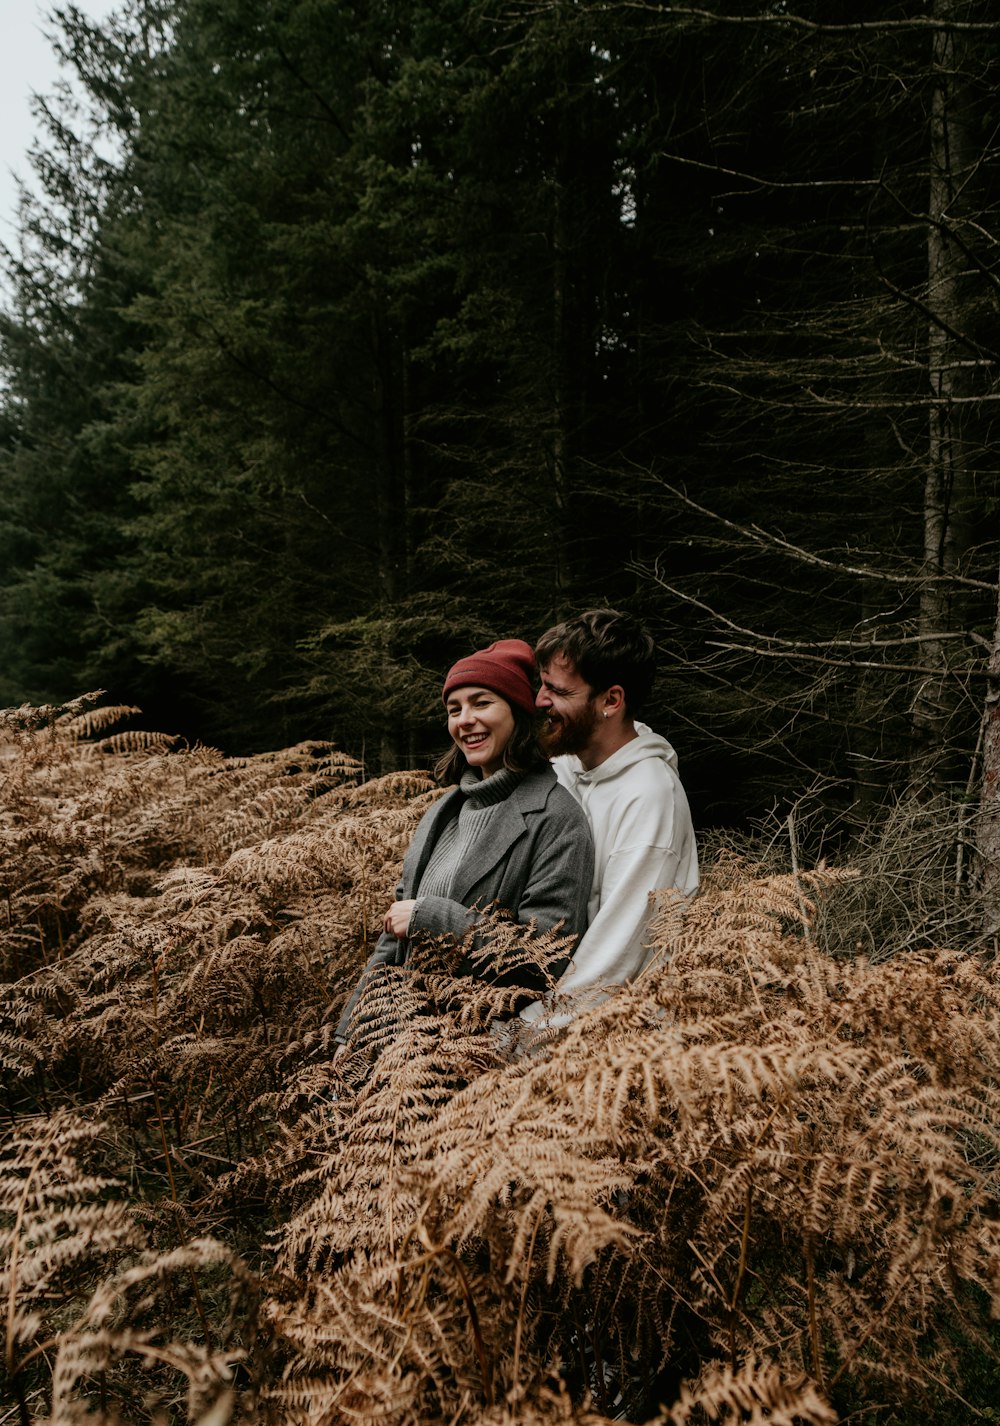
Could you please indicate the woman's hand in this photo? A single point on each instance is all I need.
(396, 921)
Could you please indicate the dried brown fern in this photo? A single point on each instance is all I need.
(162, 988)
(87, 1306)
(756, 1153)
(757, 1394)
(760, 1184)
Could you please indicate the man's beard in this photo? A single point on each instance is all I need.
(568, 735)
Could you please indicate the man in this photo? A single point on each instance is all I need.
(596, 672)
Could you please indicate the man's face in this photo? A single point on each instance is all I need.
(570, 708)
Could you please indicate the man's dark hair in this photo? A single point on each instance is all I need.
(606, 647)
(522, 754)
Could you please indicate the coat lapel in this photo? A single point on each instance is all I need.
(482, 858)
(502, 831)
(426, 837)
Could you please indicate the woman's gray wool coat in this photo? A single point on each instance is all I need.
(535, 859)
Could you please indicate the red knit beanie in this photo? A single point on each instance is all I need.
(506, 667)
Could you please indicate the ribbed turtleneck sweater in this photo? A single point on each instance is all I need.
(482, 797)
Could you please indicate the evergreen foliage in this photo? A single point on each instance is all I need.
(393, 328)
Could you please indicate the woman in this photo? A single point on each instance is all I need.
(508, 836)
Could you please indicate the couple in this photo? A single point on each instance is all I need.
(578, 842)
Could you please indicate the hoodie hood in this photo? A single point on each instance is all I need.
(647, 745)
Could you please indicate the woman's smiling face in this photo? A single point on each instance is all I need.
(481, 723)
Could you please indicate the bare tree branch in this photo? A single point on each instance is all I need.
(800, 22)
(909, 668)
(763, 644)
(765, 539)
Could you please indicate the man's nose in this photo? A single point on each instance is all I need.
(543, 699)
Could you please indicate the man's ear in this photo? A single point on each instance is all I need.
(613, 700)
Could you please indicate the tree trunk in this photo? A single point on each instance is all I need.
(988, 830)
(390, 503)
(946, 486)
(564, 355)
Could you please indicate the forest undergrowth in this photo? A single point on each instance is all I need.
(760, 1185)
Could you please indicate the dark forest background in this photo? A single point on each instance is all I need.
(345, 335)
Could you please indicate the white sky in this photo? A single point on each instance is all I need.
(28, 66)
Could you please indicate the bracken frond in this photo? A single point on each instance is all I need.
(754, 1394)
(759, 1184)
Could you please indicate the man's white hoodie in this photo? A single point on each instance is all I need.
(643, 839)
